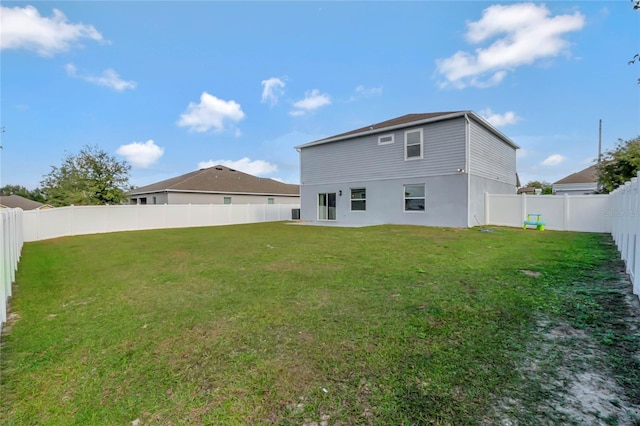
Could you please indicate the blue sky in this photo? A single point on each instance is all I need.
(175, 86)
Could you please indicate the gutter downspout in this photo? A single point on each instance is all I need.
(467, 162)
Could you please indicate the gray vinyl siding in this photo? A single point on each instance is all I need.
(445, 202)
(491, 157)
(362, 159)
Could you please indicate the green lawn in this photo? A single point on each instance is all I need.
(282, 324)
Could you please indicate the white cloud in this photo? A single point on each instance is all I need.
(523, 33)
(141, 154)
(273, 89)
(312, 100)
(365, 92)
(500, 120)
(109, 78)
(553, 160)
(211, 112)
(24, 28)
(256, 167)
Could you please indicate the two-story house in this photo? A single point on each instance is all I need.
(419, 169)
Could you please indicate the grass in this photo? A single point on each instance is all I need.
(280, 324)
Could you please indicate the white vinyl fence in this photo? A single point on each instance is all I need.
(625, 227)
(581, 213)
(80, 220)
(10, 247)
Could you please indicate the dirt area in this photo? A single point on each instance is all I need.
(584, 376)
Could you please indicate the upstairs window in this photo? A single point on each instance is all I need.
(385, 139)
(413, 144)
(358, 199)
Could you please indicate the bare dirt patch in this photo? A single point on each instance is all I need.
(580, 373)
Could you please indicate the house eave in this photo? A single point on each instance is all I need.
(191, 191)
(457, 114)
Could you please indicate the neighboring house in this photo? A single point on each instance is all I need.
(217, 185)
(18, 201)
(529, 190)
(422, 169)
(579, 183)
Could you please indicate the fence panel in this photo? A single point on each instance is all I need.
(503, 210)
(80, 220)
(582, 213)
(625, 227)
(11, 241)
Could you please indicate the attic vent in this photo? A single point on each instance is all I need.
(232, 170)
(219, 168)
(385, 139)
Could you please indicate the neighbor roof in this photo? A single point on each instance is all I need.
(588, 175)
(220, 179)
(18, 201)
(406, 121)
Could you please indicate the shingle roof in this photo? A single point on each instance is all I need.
(406, 121)
(220, 179)
(588, 175)
(17, 201)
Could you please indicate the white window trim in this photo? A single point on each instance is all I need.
(358, 199)
(404, 198)
(421, 144)
(391, 135)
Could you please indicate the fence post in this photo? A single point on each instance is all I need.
(486, 208)
(565, 209)
(523, 214)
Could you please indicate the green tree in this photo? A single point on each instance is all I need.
(546, 187)
(619, 165)
(35, 195)
(90, 177)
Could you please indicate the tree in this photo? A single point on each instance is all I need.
(619, 165)
(90, 177)
(35, 195)
(546, 187)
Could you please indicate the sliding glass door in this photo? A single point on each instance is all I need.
(327, 206)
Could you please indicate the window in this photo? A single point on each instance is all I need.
(270, 201)
(413, 144)
(143, 200)
(358, 199)
(327, 206)
(155, 200)
(414, 198)
(385, 140)
(227, 200)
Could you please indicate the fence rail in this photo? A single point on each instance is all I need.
(80, 220)
(11, 240)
